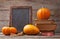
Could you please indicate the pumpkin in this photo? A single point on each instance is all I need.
(6, 30)
(13, 30)
(43, 13)
(30, 29)
(9, 30)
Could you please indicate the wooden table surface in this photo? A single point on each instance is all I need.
(57, 36)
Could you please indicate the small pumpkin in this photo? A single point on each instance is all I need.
(13, 30)
(6, 30)
(9, 30)
(30, 29)
(43, 13)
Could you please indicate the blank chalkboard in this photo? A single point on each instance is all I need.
(20, 16)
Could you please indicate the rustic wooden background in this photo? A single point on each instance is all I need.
(53, 5)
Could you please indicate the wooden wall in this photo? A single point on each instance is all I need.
(53, 5)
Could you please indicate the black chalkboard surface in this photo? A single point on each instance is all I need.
(20, 16)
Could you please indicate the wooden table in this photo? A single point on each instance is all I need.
(57, 36)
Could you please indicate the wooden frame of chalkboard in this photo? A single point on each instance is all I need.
(21, 8)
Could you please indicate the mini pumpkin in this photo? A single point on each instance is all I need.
(13, 30)
(6, 30)
(43, 13)
(30, 29)
(9, 30)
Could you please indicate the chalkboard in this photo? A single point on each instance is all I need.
(20, 16)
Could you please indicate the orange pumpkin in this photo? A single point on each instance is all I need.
(13, 30)
(6, 30)
(30, 29)
(9, 30)
(43, 13)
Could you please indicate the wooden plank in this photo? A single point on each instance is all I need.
(56, 36)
